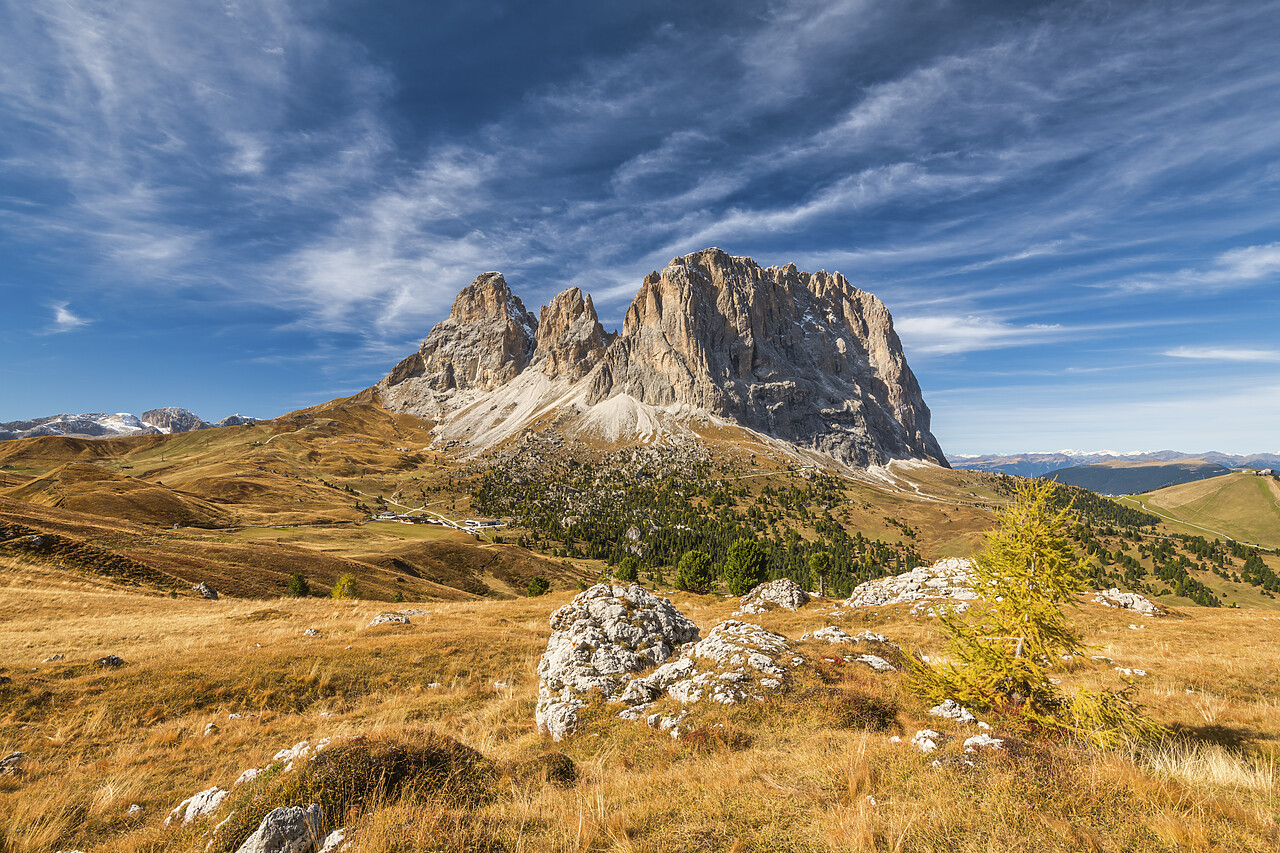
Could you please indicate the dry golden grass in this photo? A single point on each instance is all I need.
(811, 770)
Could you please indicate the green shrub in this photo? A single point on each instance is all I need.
(538, 585)
(744, 567)
(346, 587)
(628, 570)
(694, 572)
(298, 586)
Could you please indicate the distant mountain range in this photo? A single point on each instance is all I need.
(164, 421)
(1039, 464)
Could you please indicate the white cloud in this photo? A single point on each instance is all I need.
(64, 320)
(948, 334)
(1246, 266)
(1224, 354)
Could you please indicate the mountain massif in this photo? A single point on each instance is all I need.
(163, 421)
(803, 358)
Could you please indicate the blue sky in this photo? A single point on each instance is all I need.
(1071, 208)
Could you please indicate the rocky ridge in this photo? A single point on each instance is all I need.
(805, 358)
(170, 419)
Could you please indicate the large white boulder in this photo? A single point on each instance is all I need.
(782, 594)
(736, 661)
(951, 578)
(599, 639)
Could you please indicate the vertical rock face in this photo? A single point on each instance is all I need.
(486, 342)
(806, 357)
(803, 357)
(570, 339)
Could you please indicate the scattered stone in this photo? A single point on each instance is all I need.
(433, 685)
(951, 578)
(333, 841)
(235, 716)
(247, 776)
(389, 619)
(597, 640)
(953, 608)
(1124, 670)
(203, 803)
(782, 594)
(211, 729)
(983, 741)
(109, 661)
(831, 634)
(311, 632)
(288, 829)
(1100, 659)
(1136, 627)
(736, 661)
(1128, 601)
(500, 685)
(953, 710)
(134, 809)
(53, 659)
(877, 663)
(205, 591)
(11, 764)
(927, 740)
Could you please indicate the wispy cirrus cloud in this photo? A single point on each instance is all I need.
(1224, 354)
(1246, 266)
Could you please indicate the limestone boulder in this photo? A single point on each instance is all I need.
(949, 579)
(1128, 601)
(598, 640)
(782, 594)
(288, 829)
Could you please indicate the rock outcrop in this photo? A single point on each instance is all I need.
(782, 594)
(806, 358)
(949, 579)
(598, 640)
(1128, 601)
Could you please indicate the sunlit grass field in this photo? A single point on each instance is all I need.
(806, 771)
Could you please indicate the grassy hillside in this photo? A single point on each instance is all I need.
(813, 769)
(1242, 506)
(1127, 478)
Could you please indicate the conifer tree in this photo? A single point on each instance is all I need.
(1001, 661)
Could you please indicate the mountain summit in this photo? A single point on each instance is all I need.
(805, 358)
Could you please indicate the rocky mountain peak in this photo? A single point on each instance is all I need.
(570, 339)
(171, 419)
(487, 340)
(803, 357)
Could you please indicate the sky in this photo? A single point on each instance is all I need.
(1072, 209)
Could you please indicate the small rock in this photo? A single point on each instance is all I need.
(205, 591)
(235, 716)
(983, 741)
(1124, 670)
(247, 776)
(311, 632)
(333, 841)
(288, 829)
(877, 663)
(203, 803)
(953, 710)
(211, 729)
(389, 619)
(53, 659)
(11, 764)
(500, 685)
(109, 661)
(927, 740)
(134, 809)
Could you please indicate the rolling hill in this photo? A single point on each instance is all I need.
(1128, 478)
(1241, 506)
